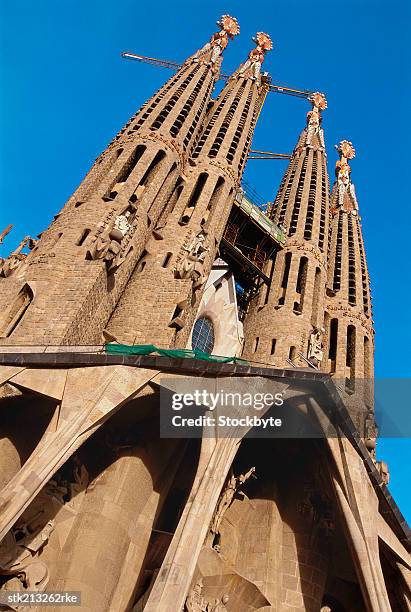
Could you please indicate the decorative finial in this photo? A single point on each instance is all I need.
(263, 41)
(319, 102)
(210, 54)
(229, 24)
(252, 67)
(342, 171)
(346, 149)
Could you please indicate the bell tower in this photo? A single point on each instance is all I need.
(78, 269)
(284, 318)
(183, 247)
(349, 325)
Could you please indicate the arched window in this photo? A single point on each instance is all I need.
(203, 335)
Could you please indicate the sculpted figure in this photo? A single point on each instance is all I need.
(14, 260)
(23, 557)
(227, 497)
(108, 241)
(315, 347)
(122, 223)
(192, 262)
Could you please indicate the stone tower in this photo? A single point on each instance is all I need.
(349, 351)
(283, 318)
(178, 259)
(73, 277)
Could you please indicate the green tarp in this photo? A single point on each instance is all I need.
(149, 349)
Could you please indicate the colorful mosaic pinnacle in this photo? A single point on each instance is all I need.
(229, 24)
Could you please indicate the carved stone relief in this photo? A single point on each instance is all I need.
(233, 485)
(111, 240)
(315, 346)
(22, 559)
(16, 258)
(196, 602)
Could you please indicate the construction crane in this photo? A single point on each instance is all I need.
(254, 154)
(154, 61)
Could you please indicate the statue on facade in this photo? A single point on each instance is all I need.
(370, 434)
(314, 118)
(108, 242)
(15, 259)
(252, 67)
(315, 346)
(191, 263)
(211, 52)
(384, 472)
(22, 557)
(233, 485)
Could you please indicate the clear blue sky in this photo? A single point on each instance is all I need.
(66, 92)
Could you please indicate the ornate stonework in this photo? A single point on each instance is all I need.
(211, 52)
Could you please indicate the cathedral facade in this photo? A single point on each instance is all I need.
(159, 270)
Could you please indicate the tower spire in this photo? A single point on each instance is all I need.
(211, 53)
(104, 226)
(285, 320)
(193, 224)
(349, 339)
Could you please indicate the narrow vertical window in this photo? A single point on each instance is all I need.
(194, 198)
(273, 343)
(301, 283)
(350, 358)
(166, 260)
(332, 347)
(286, 273)
(316, 296)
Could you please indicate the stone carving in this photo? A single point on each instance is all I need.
(21, 551)
(252, 67)
(343, 171)
(190, 264)
(326, 609)
(233, 485)
(211, 52)
(196, 602)
(15, 259)
(219, 605)
(382, 467)
(111, 239)
(315, 346)
(370, 433)
(314, 118)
